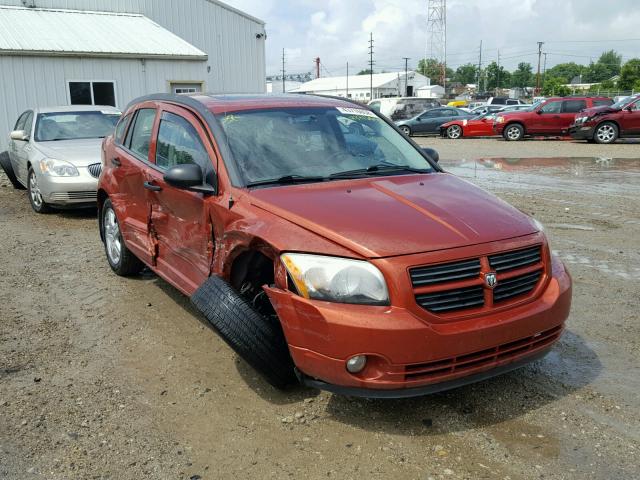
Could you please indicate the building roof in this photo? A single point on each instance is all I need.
(380, 80)
(54, 32)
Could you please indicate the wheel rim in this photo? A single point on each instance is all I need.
(513, 133)
(606, 133)
(454, 131)
(405, 130)
(34, 190)
(112, 236)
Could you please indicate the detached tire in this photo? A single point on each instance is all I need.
(257, 339)
(5, 163)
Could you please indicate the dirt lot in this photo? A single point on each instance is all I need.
(107, 378)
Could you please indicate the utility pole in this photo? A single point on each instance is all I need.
(283, 73)
(537, 92)
(498, 74)
(544, 69)
(406, 76)
(436, 47)
(317, 62)
(371, 63)
(347, 79)
(479, 69)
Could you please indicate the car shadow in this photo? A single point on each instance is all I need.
(568, 367)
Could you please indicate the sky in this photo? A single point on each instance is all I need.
(338, 31)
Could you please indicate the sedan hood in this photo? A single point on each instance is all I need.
(80, 152)
(389, 216)
(590, 112)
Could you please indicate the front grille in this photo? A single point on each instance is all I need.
(95, 169)
(86, 196)
(460, 285)
(503, 262)
(445, 272)
(488, 357)
(450, 300)
(515, 286)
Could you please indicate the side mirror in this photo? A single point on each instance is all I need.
(431, 153)
(188, 176)
(19, 135)
(539, 112)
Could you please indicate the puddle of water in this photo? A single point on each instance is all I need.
(597, 176)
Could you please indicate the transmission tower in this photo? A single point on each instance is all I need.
(437, 35)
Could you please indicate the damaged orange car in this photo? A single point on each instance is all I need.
(325, 246)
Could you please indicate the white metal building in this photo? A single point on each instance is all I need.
(62, 52)
(358, 87)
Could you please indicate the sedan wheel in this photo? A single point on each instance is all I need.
(112, 237)
(120, 258)
(606, 133)
(35, 195)
(454, 132)
(406, 130)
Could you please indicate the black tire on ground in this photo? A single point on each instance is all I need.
(5, 163)
(35, 197)
(513, 132)
(406, 130)
(257, 339)
(126, 264)
(605, 133)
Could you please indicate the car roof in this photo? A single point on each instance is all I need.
(218, 104)
(78, 108)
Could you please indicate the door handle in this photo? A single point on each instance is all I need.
(116, 162)
(152, 187)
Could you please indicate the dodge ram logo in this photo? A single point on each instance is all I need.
(490, 280)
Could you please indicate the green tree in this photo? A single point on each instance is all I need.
(566, 71)
(555, 87)
(430, 67)
(496, 76)
(607, 66)
(364, 72)
(466, 74)
(603, 87)
(612, 60)
(523, 76)
(629, 74)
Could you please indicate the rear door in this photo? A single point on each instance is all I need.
(180, 218)
(128, 168)
(569, 110)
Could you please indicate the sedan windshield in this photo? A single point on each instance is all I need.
(74, 125)
(287, 145)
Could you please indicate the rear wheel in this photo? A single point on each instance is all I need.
(606, 132)
(35, 195)
(5, 163)
(454, 132)
(120, 258)
(513, 132)
(406, 130)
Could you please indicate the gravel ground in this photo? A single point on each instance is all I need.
(471, 148)
(110, 378)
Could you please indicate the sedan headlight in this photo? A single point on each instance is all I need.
(58, 168)
(335, 279)
(500, 119)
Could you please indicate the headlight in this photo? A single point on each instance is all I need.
(58, 168)
(336, 279)
(500, 119)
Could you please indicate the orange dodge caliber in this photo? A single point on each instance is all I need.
(325, 247)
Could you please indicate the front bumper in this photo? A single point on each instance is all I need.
(72, 191)
(582, 132)
(409, 355)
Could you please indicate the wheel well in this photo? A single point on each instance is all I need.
(249, 272)
(608, 121)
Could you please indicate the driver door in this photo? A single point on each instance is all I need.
(19, 149)
(630, 120)
(546, 119)
(180, 218)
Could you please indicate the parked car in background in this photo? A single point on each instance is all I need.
(478, 126)
(458, 103)
(403, 108)
(606, 124)
(55, 153)
(516, 108)
(551, 117)
(429, 122)
(347, 268)
(504, 101)
(483, 109)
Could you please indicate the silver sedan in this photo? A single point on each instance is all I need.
(55, 153)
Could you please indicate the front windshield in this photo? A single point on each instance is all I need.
(74, 125)
(315, 142)
(623, 102)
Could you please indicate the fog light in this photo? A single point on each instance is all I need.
(356, 363)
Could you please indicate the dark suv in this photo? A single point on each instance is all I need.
(607, 124)
(551, 117)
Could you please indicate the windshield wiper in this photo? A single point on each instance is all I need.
(287, 179)
(377, 169)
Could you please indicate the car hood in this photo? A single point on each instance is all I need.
(80, 152)
(590, 112)
(389, 216)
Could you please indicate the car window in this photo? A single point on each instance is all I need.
(451, 113)
(179, 143)
(432, 114)
(121, 128)
(635, 107)
(573, 106)
(552, 107)
(21, 121)
(28, 123)
(53, 126)
(602, 103)
(141, 132)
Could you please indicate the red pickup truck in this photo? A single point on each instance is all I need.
(552, 117)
